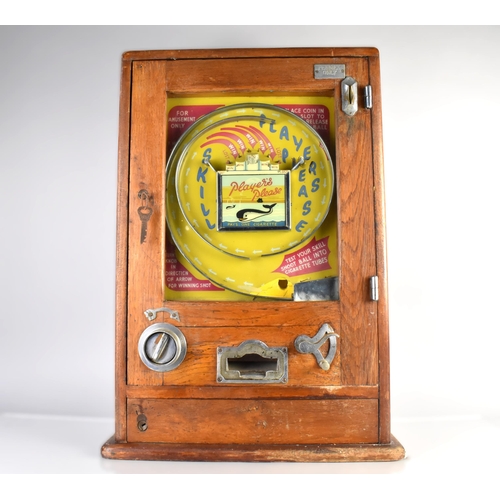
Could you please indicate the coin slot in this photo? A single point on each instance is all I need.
(162, 347)
(252, 365)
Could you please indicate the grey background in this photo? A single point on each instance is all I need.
(58, 142)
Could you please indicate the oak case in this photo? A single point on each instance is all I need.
(317, 415)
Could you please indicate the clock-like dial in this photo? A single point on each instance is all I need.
(246, 184)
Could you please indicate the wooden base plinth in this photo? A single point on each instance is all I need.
(254, 453)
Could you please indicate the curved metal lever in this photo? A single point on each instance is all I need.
(308, 345)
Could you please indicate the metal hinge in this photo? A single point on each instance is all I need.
(368, 97)
(374, 288)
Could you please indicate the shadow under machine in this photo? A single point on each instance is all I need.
(251, 306)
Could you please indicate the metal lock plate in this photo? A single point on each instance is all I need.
(349, 92)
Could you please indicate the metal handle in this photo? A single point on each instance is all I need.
(311, 345)
(151, 313)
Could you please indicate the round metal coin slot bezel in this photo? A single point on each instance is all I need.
(171, 362)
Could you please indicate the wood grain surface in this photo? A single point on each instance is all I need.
(264, 421)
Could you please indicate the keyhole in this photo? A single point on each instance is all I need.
(351, 95)
(142, 422)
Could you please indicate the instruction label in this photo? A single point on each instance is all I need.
(309, 259)
(178, 278)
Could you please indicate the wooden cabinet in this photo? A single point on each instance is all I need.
(317, 408)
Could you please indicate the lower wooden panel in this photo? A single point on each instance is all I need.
(260, 421)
